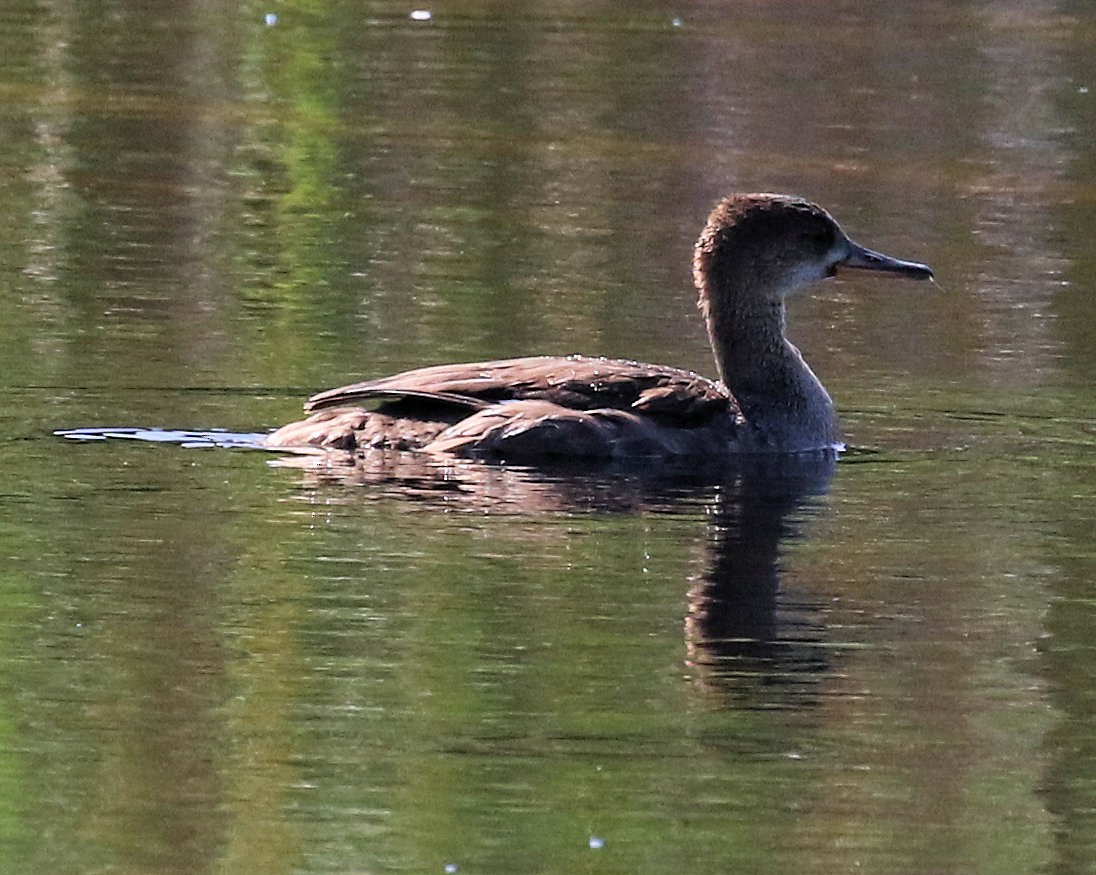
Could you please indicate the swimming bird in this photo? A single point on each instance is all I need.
(754, 250)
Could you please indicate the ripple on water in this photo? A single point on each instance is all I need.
(189, 439)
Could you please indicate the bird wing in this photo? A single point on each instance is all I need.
(531, 429)
(571, 382)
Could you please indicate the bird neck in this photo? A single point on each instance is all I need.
(778, 394)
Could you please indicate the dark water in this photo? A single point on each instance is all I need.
(213, 660)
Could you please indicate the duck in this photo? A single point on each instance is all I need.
(754, 251)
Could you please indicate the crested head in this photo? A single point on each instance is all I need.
(773, 243)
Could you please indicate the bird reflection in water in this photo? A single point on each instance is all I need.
(747, 636)
(748, 640)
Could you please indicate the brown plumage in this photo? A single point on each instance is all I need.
(753, 250)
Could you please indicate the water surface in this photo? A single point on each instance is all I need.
(212, 660)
